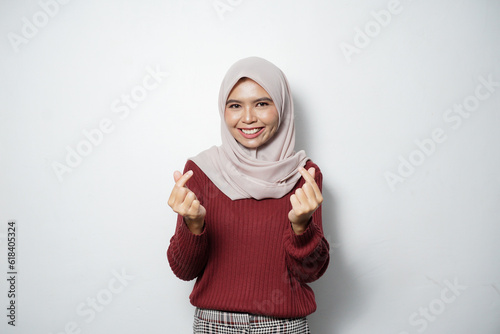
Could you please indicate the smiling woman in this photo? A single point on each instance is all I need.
(249, 225)
(250, 114)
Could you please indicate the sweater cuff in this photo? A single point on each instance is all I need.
(187, 253)
(303, 245)
(187, 237)
(190, 247)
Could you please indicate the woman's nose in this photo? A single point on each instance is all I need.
(249, 115)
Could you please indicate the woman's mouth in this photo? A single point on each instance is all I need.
(251, 133)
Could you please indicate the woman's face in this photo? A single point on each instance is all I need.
(250, 114)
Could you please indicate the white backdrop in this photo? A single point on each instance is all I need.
(396, 101)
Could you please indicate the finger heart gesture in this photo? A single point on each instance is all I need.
(184, 202)
(305, 201)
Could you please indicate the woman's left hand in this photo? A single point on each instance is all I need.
(305, 201)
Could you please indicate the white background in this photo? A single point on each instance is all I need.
(395, 249)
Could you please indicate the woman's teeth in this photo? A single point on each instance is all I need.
(251, 131)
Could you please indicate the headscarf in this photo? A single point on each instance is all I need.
(270, 170)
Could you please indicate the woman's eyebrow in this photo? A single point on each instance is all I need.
(261, 99)
(232, 101)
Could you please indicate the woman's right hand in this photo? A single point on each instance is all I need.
(184, 202)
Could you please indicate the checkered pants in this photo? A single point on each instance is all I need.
(218, 322)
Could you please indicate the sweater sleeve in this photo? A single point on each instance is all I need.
(308, 254)
(188, 253)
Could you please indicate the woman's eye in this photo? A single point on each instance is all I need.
(262, 104)
(233, 106)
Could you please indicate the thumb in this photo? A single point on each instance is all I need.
(312, 171)
(177, 175)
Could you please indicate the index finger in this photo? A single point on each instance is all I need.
(309, 178)
(184, 178)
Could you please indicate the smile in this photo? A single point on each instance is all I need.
(251, 133)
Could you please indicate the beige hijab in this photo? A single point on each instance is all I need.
(269, 171)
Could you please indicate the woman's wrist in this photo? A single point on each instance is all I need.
(195, 226)
(299, 228)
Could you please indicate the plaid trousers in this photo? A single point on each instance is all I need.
(220, 322)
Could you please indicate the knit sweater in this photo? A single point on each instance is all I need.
(248, 259)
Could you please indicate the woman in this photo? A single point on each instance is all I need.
(249, 223)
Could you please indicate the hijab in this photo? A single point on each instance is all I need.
(270, 170)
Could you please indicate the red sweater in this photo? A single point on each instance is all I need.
(248, 259)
